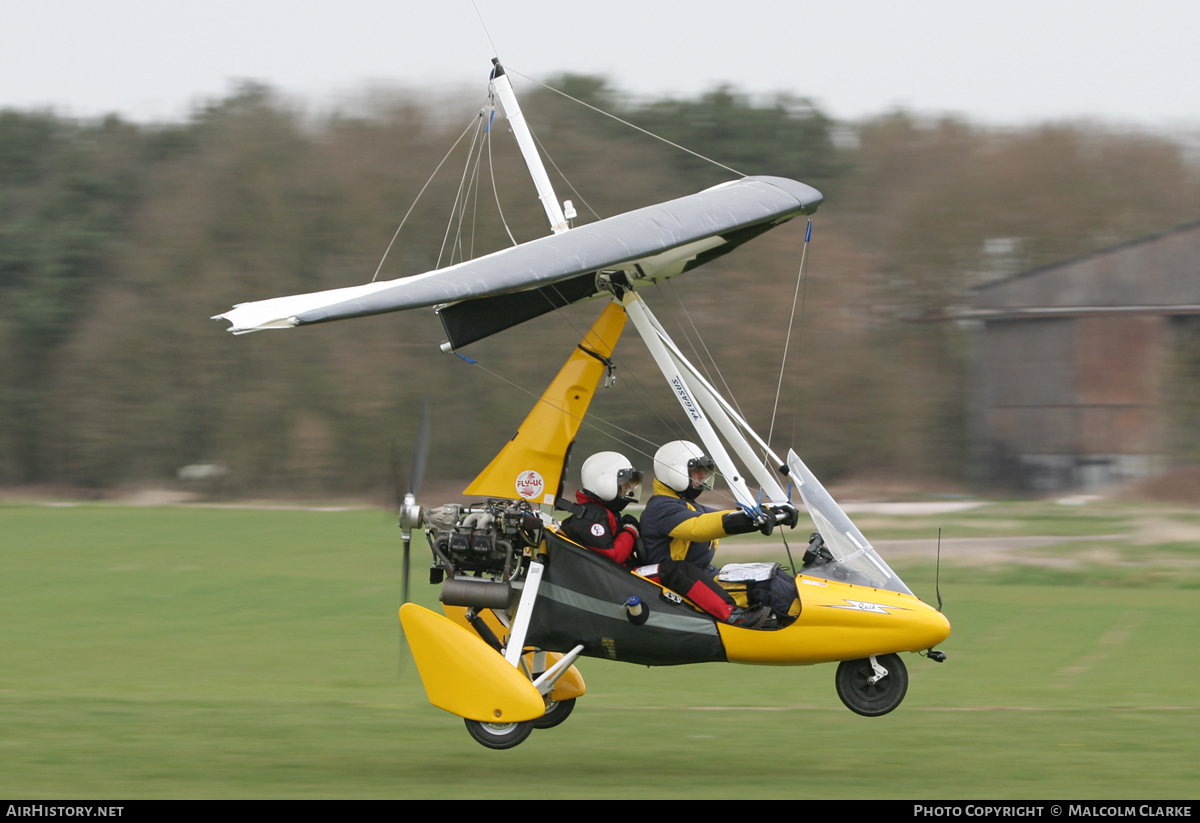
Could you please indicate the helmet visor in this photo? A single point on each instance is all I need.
(703, 472)
(629, 485)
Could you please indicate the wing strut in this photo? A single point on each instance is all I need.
(704, 408)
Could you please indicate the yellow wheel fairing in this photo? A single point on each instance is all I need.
(464, 675)
(840, 621)
(569, 685)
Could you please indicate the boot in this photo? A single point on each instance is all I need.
(749, 618)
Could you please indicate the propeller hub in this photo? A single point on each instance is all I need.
(410, 516)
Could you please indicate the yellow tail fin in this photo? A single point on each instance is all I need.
(530, 466)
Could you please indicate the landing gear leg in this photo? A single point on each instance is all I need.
(872, 686)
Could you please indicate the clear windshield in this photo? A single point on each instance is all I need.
(851, 559)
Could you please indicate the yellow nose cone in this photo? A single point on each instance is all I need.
(840, 621)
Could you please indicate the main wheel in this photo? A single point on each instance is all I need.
(861, 696)
(556, 712)
(499, 735)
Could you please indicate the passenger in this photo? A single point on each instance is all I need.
(681, 535)
(610, 483)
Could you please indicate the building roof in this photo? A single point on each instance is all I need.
(1156, 274)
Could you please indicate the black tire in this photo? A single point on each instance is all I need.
(872, 699)
(556, 712)
(499, 735)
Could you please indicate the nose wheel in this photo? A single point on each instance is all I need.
(872, 686)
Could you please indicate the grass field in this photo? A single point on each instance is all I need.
(194, 652)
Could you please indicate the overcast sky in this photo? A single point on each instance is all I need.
(1008, 62)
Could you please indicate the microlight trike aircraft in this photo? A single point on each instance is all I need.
(522, 602)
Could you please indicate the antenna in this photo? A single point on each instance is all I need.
(933, 654)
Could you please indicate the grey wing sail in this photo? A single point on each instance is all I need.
(656, 241)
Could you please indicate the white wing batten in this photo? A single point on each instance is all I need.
(625, 239)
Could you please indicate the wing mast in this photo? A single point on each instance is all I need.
(702, 404)
(503, 89)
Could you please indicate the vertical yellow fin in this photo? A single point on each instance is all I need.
(530, 466)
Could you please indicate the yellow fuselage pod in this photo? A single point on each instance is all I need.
(464, 675)
(569, 685)
(530, 466)
(840, 621)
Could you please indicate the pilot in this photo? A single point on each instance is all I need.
(680, 535)
(610, 483)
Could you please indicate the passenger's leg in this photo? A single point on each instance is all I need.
(686, 579)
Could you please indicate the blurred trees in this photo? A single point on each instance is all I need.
(66, 194)
(118, 242)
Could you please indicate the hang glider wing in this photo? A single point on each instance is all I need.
(652, 242)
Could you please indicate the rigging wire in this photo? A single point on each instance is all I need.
(473, 185)
(657, 408)
(787, 340)
(640, 391)
(458, 196)
(670, 425)
(585, 421)
(459, 209)
(563, 176)
(511, 70)
(456, 248)
(682, 328)
(639, 388)
(492, 170)
(418, 197)
(582, 420)
(469, 185)
(700, 337)
(800, 333)
(570, 314)
(495, 51)
(661, 411)
(475, 200)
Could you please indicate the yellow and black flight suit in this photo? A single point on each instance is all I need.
(680, 537)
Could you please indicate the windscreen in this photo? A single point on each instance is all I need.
(853, 558)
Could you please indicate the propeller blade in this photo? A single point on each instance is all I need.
(404, 587)
(392, 496)
(420, 452)
(410, 512)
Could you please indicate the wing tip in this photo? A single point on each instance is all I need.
(279, 323)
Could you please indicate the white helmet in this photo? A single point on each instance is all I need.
(611, 477)
(676, 463)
